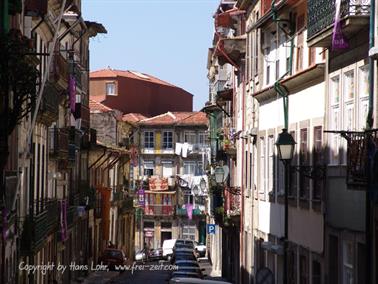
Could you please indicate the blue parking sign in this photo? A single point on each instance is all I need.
(211, 229)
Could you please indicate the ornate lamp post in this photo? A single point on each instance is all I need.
(285, 145)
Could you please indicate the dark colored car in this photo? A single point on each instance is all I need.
(155, 254)
(112, 257)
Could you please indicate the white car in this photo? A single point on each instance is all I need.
(200, 249)
(140, 255)
(168, 248)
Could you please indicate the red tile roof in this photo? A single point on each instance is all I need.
(133, 117)
(177, 118)
(95, 106)
(111, 73)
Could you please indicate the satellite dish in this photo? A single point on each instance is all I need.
(226, 170)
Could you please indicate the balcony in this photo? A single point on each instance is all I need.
(82, 112)
(127, 206)
(183, 212)
(321, 15)
(58, 146)
(49, 108)
(60, 71)
(232, 204)
(38, 227)
(158, 210)
(231, 50)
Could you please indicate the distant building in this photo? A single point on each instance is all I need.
(170, 169)
(134, 92)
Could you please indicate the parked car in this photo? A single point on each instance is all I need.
(112, 257)
(168, 248)
(186, 274)
(184, 244)
(200, 249)
(141, 255)
(155, 254)
(189, 280)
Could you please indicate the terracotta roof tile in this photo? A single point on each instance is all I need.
(133, 117)
(111, 73)
(178, 118)
(95, 106)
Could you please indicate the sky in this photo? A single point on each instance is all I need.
(168, 39)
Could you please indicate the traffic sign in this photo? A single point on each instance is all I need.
(211, 229)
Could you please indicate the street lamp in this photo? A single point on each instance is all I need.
(219, 174)
(285, 145)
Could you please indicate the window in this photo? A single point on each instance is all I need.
(246, 171)
(110, 89)
(271, 179)
(333, 259)
(190, 137)
(167, 168)
(300, 40)
(262, 166)
(149, 139)
(166, 225)
(267, 74)
(189, 232)
(348, 256)
(167, 140)
(148, 168)
(190, 168)
(293, 177)
(303, 269)
(304, 161)
(317, 161)
(277, 69)
(312, 56)
(149, 225)
(202, 137)
(363, 90)
(335, 120)
(316, 272)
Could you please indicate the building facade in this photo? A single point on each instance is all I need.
(169, 175)
(135, 92)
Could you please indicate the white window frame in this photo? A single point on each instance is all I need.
(167, 162)
(262, 173)
(147, 145)
(348, 264)
(165, 144)
(110, 91)
(270, 165)
(190, 135)
(192, 165)
(363, 94)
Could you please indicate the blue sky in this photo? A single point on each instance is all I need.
(168, 39)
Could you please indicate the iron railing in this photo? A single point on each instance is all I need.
(38, 226)
(321, 13)
(58, 138)
(159, 210)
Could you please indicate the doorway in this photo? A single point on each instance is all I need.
(165, 236)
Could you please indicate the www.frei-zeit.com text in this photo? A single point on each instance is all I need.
(45, 268)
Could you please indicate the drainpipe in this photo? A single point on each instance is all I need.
(369, 125)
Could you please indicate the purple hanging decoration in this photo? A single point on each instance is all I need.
(72, 93)
(338, 39)
(189, 210)
(141, 200)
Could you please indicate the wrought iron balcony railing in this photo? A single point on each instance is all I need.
(49, 108)
(321, 13)
(38, 226)
(58, 146)
(158, 210)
